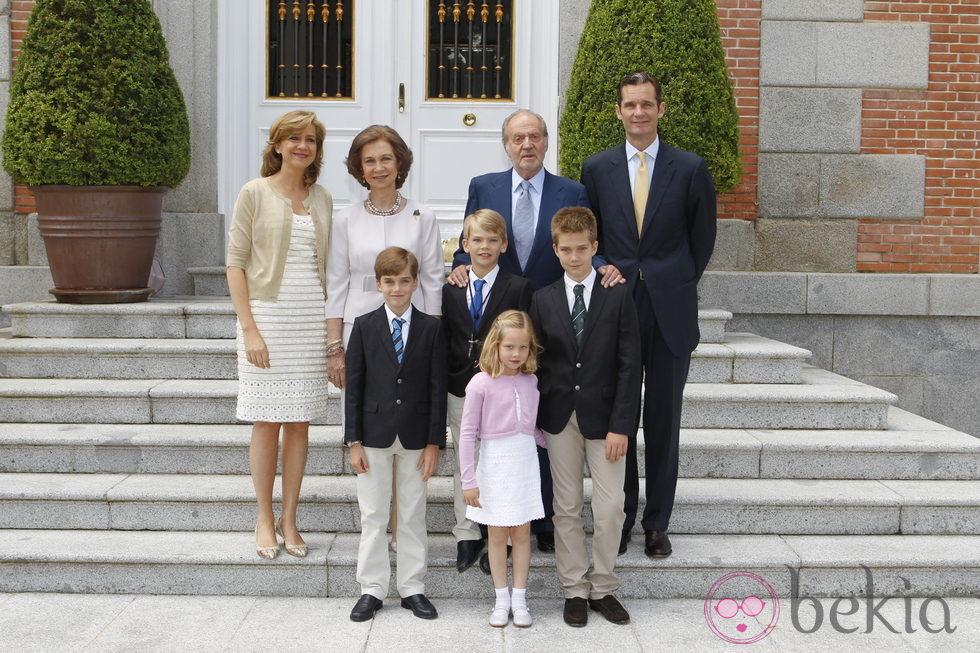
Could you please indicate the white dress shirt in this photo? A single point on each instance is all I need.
(586, 294)
(633, 162)
(471, 288)
(407, 316)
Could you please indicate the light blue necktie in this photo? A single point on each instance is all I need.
(396, 338)
(524, 224)
(476, 310)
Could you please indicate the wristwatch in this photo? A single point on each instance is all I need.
(351, 444)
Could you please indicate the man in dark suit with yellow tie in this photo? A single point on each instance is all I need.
(656, 210)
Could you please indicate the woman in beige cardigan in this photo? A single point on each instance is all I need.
(277, 255)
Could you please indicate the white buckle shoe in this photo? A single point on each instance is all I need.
(522, 617)
(499, 617)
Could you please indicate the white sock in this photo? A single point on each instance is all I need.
(519, 600)
(503, 598)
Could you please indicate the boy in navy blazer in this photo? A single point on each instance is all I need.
(395, 425)
(468, 313)
(589, 379)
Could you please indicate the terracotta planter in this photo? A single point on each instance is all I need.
(100, 240)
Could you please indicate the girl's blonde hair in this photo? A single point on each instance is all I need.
(490, 356)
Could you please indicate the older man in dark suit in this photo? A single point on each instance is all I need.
(656, 209)
(528, 196)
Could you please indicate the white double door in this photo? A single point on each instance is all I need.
(389, 88)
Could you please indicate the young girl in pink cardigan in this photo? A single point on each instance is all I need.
(503, 492)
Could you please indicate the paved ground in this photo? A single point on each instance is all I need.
(75, 622)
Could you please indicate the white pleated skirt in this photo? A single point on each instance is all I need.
(294, 388)
(509, 481)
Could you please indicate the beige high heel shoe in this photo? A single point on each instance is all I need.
(267, 552)
(298, 550)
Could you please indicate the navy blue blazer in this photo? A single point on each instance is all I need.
(599, 379)
(509, 291)
(678, 233)
(494, 191)
(387, 400)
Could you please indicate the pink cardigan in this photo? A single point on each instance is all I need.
(490, 411)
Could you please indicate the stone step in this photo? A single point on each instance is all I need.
(168, 502)
(822, 401)
(741, 358)
(746, 358)
(201, 563)
(182, 317)
(209, 280)
(118, 358)
(168, 317)
(22, 283)
(912, 448)
(117, 401)
(711, 323)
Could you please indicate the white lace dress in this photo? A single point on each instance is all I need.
(294, 388)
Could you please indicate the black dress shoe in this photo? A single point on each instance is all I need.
(611, 609)
(467, 553)
(485, 561)
(365, 608)
(546, 542)
(657, 544)
(576, 613)
(623, 542)
(420, 606)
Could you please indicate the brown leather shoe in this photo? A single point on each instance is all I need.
(611, 609)
(576, 612)
(657, 544)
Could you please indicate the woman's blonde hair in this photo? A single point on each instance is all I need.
(490, 356)
(282, 128)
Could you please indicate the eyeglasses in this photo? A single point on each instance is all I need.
(751, 606)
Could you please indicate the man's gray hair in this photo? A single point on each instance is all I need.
(503, 130)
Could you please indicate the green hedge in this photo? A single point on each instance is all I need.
(677, 41)
(94, 100)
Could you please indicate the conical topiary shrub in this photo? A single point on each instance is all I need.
(93, 100)
(97, 127)
(677, 41)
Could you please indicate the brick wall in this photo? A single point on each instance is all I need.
(941, 123)
(740, 22)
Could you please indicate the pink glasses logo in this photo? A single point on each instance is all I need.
(751, 605)
(747, 618)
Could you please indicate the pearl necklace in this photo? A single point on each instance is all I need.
(395, 208)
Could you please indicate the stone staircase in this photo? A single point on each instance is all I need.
(122, 470)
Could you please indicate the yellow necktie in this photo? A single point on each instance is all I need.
(641, 188)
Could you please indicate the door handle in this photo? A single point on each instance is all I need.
(401, 98)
